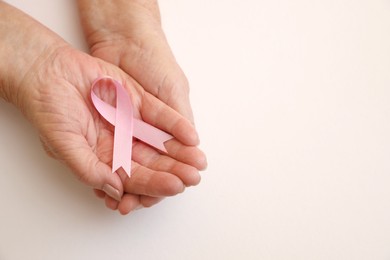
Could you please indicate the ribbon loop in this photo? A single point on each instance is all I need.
(126, 126)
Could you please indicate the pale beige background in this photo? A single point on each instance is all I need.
(292, 100)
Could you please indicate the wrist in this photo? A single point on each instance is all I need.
(24, 44)
(105, 21)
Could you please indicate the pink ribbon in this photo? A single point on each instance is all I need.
(126, 126)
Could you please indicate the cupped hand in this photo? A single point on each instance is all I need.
(55, 96)
(129, 34)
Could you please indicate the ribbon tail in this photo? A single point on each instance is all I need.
(122, 157)
(123, 141)
(151, 135)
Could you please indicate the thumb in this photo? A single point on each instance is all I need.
(93, 172)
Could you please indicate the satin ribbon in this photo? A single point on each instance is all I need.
(126, 126)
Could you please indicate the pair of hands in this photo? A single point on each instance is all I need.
(52, 89)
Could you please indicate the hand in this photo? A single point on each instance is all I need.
(73, 132)
(51, 85)
(128, 33)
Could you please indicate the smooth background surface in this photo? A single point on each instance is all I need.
(292, 101)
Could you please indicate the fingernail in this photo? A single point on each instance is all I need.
(112, 192)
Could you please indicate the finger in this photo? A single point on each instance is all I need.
(111, 203)
(150, 158)
(129, 203)
(147, 201)
(181, 103)
(99, 193)
(156, 113)
(79, 156)
(145, 181)
(47, 148)
(190, 155)
(122, 174)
